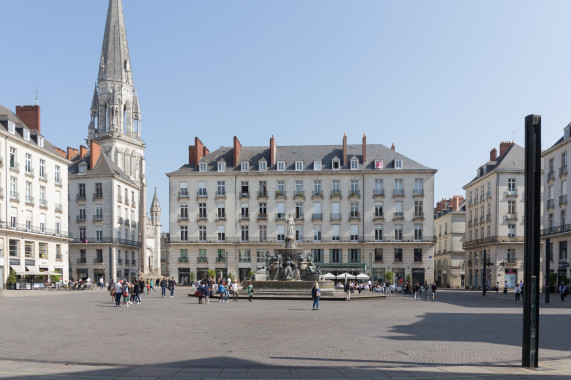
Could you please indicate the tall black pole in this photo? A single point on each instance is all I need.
(531, 246)
(484, 273)
(548, 254)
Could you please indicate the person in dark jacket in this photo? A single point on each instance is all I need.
(315, 293)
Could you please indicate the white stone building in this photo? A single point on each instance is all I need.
(450, 229)
(113, 237)
(554, 205)
(357, 208)
(494, 219)
(33, 199)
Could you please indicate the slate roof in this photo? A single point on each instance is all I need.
(513, 159)
(103, 167)
(6, 114)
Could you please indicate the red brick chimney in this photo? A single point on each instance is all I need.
(504, 146)
(273, 149)
(364, 147)
(236, 151)
(71, 152)
(493, 154)
(61, 152)
(191, 155)
(95, 149)
(198, 151)
(30, 116)
(344, 149)
(82, 151)
(393, 147)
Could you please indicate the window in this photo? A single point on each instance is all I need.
(398, 164)
(98, 190)
(183, 189)
(354, 255)
(81, 190)
(202, 189)
(511, 255)
(280, 208)
(298, 187)
(221, 189)
(317, 232)
(14, 188)
(399, 190)
(244, 211)
(57, 177)
(99, 213)
(299, 233)
(184, 211)
(11, 127)
(202, 233)
(244, 256)
(13, 158)
(511, 185)
(378, 254)
(263, 233)
(82, 214)
(564, 159)
(202, 256)
(244, 166)
(418, 255)
(335, 211)
(335, 255)
(263, 209)
(183, 255)
(183, 233)
(82, 168)
(354, 210)
(281, 188)
(399, 214)
(202, 166)
(418, 232)
(99, 255)
(281, 165)
(316, 165)
(83, 256)
(378, 233)
(40, 141)
(82, 235)
(379, 190)
(317, 188)
(262, 165)
(299, 165)
(221, 166)
(26, 134)
(29, 197)
(244, 234)
(563, 214)
(202, 211)
(418, 209)
(28, 220)
(221, 233)
(14, 248)
(244, 189)
(42, 223)
(354, 228)
(336, 164)
(335, 187)
(221, 211)
(99, 235)
(335, 234)
(354, 164)
(378, 164)
(42, 168)
(511, 230)
(418, 186)
(261, 255)
(28, 163)
(562, 251)
(280, 230)
(398, 232)
(299, 210)
(354, 187)
(511, 207)
(263, 188)
(317, 255)
(398, 255)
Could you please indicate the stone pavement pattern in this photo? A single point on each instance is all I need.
(72, 335)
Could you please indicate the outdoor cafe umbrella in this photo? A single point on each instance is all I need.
(329, 276)
(362, 276)
(345, 276)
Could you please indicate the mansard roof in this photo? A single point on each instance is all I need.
(512, 160)
(103, 167)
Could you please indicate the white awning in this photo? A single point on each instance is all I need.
(20, 270)
(34, 271)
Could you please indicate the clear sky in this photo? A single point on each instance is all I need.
(446, 81)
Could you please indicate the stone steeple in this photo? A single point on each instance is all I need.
(155, 210)
(115, 64)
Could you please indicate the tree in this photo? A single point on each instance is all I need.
(409, 278)
(389, 276)
(12, 277)
(55, 277)
(191, 277)
(251, 274)
(211, 273)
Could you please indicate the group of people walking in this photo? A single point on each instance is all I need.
(207, 288)
(125, 293)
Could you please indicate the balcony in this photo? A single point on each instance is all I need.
(133, 262)
(550, 203)
(98, 260)
(244, 217)
(489, 195)
(511, 217)
(488, 217)
(482, 197)
(379, 193)
(104, 240)
(80, 197)
(82, 260)
(201, 218)
(98, 218)
(98, 196)
(59, 257)
(120, 220)
(245, 195)
(299, 217)
(493, 239)
(58, 182)
(43, 203)
(354, 215)
(317, 216)
(563, 171)
(133, 224)
(398, 216)
(183, 194)
(119, 261)
(280, 194)
(221, 259)
(202, 260)
(30, 200)
(262, 194)
(133, 204)
(126, 261)
(14, 166)
(551, 175)
(398, 193)
(221, 218)
(119, 199)
(81, 219)
(245, 259)
(299, 195)
(511, 193)
(354, 194)
(183, 259)
(336, 194)
(470, 223)
(418, 193)
(59, 208)
(29, 172)
(14, 196)
(262, 217)
(280, 216)
(418, 216)
(183, 218)
(379, 217)
(336, 216)
(563, 200)
(126, 222)
(220, 195)
(317, 195)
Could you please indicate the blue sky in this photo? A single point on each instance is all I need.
(446, 81)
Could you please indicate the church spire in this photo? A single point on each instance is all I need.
(115, 64)
(155, 209)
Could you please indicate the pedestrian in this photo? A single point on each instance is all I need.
(164, 287)
(111, 289)
(152, 285)
(497, 288)
(100, 282)
(250, 291)
(172, 284)
(517, 292)
(222, 291)
(207, 290)
(315, 293)
(521, 290)
(118, 293)
(562, 290)
(137, 291)
(235, 291)
(348, 291)
(126, 287)
(434, 289)
(416, 290)
(506, 288)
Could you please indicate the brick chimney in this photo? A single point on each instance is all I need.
(192, 155)
(344, 149)
(198, 151)
(493, 154)
(236, 151)
(393, 147)
(364, 148)
(71, 152)
(505, 146)
(95, 149)
(61, 152)
(30, 116)
(273, 151)
(82, 151)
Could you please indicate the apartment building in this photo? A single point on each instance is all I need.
(33, 199)
(494, 219)
(357, 208)
(450, 229)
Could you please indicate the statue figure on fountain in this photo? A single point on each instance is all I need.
(290, 233)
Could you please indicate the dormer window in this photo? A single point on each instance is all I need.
(398, 164)
(202, 166)
(299, 165)
(244, 166)
(82, 168)
(378, 164)
(221, 166)
(11, 127)
(354, 164)
(316, 165)
(281, 165)
(40, 141)
(262, 165)
(26, 134)
(336, 164)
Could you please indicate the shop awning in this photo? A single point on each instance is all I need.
(34, 271)
(20, 270)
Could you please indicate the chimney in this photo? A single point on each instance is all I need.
(236, 151)
(393, 147)
(198, 151)
(191, 155)
(71, 152)
(30, 116)
(205, 152)
(95, 149)
(493, 154)
(61, 152)
(364, 147)
(273, 149)
(344, 149)
(504, 146)
(82, 151)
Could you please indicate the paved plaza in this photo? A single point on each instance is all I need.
(82, 335)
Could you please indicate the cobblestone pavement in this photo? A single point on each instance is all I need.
(82, 335)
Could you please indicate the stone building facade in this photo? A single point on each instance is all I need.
(450, 230)
(357, 208)
(33, 199)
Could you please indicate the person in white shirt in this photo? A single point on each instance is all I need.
(234, 292)
(118, 293)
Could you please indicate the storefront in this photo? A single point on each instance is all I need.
(511, 277)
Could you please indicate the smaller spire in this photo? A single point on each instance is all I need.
(155, 203)
(95, 102)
